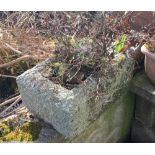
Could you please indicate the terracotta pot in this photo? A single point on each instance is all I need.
(149, 63)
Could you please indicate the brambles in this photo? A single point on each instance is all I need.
(40, 34)
(76, 39)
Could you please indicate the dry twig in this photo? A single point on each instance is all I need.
(7, 76)
(13, 111)
(25, 57)
(13, 49)
(9, 101)
(15, 102)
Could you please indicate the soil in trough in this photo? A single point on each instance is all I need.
(68, 76)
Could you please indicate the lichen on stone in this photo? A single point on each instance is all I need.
(54, 69)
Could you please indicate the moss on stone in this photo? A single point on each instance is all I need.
(141, 80)
(27, 133)
(113, 125)
(128, 116)
(56, 69)
(4, 129)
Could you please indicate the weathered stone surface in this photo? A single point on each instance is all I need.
(69, 111)
(141, 134)
(48, 134)
(113, 125)
(142, 86)
(142, 129)
(145, 111)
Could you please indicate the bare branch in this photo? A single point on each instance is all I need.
(7, 76)
(9, 101)
(25, 57)
(14, 103)
(13, 49)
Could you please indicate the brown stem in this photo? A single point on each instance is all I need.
(9, 101)
(25, 57)
(13, 49)
(7, 76)
(15, 102)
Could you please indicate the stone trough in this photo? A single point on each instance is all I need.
(69, 111)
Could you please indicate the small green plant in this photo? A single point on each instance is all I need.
(119, 44)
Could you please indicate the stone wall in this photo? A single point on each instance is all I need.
(143, 129)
